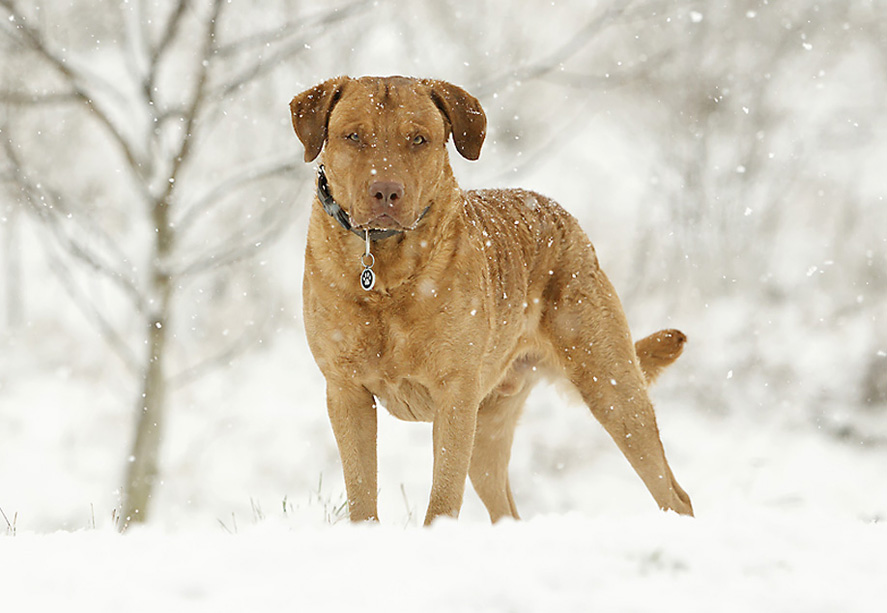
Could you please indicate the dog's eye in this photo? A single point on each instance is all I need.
(354, 137)
(419, 140)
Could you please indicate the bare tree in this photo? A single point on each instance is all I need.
(148, 107)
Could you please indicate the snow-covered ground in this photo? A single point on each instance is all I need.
(739, 560)
(249, 518)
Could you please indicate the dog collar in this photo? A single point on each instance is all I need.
(332, 208)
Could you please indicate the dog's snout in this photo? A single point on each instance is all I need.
(386, 192)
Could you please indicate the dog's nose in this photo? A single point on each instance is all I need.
(386, 192)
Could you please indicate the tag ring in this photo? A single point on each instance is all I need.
(363, 260)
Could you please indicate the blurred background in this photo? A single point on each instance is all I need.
(726, 157)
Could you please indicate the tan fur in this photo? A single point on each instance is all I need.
(473, 302)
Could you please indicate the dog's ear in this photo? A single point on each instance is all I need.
(311, 113)
(465, 115)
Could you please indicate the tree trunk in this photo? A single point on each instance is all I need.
(143, 462)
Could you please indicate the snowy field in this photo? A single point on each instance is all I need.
(249, 516)
(739, 560)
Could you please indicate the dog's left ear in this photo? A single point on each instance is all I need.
(311, 114)
(467, 119)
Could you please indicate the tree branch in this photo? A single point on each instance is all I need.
(33, 40)
(14, 98)
(170, 31)
(260, 40)
(193, 109)
(49, 213)
(246, 340)
(213, 197)
(88, 308)
(560, 55)
(263, 65)
(236, 248)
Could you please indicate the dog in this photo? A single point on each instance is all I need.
(446, 306)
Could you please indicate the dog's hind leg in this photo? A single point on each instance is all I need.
(617, 396)
(589, 333)
(496, 421)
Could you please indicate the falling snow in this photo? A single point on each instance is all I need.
(726, 164)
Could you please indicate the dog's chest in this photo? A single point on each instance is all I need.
(396, 366)
(405, 399)
(384, 347)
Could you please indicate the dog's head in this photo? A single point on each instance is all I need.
(384, 142)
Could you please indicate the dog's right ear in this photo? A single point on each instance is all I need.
(311, 113)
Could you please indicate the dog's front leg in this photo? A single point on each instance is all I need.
(353, 417)
(453, 431)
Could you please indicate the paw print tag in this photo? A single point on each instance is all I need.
(367, 277)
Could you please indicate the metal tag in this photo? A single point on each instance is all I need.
(367, 279)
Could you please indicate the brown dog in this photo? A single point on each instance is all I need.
(447, 305)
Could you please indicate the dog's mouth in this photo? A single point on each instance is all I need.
(381, 222)
(386, 223)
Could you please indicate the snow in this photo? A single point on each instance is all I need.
(736, 561)
(764, 419)
(248, 516)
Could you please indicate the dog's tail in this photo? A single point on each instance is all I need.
(657, 351)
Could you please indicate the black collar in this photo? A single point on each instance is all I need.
(332, 208)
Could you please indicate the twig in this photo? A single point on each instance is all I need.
(258, 514)
(10, 526)
(406, 504)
